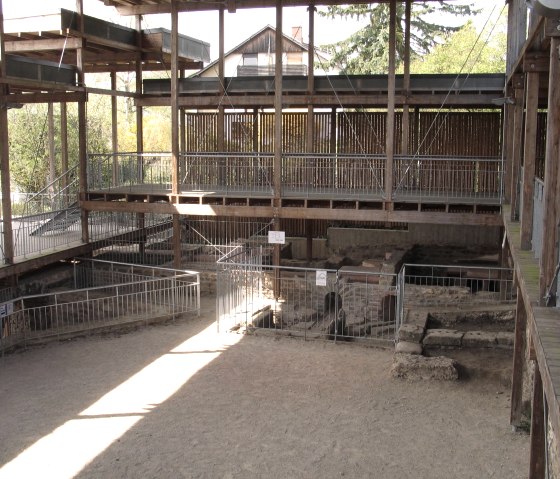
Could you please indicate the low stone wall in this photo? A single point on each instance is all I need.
(340, 238)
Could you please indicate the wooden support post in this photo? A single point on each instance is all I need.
(255, 131)
(141, 217)
(220, 127)
(5, 154)
(405, 129)
(310, 143)
(332, 138)
(183, 131)
(390, 127)
(549, 256)
(277, 140)
(175, 128)
(311, 80)
(516, 152)
(175, 98)
(309, 237)
(114, 129)
(138, 72)
(516, 411)
(64, 149)
(537, 463)
(507, 146)
(529, 159)
(82, 125)
(52, 154)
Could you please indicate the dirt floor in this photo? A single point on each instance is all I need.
(178, 400)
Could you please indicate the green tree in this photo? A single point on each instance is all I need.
(467, 51)
(366, 51)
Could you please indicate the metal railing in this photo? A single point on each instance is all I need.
(125, 170)
(26, 243)
(424, 285)
(140, 294)
(436, 178)
(228, 172)
(349, 176)
(306, 302)
(352, 176)
(57, 195)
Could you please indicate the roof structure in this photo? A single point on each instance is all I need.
(107, 46)
(262, 41)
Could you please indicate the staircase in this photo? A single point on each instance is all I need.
(60, 221)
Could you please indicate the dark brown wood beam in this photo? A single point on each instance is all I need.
(67, 97)
(298, 213)
(241, 101)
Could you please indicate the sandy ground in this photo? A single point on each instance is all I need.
(168, 402)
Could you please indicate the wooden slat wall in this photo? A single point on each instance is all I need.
(541, 144)
(201, 131)
(457, 133)
(431, 133)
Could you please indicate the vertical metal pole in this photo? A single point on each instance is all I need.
(114, 129)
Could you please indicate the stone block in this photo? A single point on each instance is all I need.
(408, 347)
(411, 332)
(417, 317)
(505, 339)
(443, 337)
(416, 367)
(479, 339)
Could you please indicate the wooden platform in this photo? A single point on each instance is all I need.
(326, 204)
(544, 322)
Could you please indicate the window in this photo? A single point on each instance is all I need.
(250, 59)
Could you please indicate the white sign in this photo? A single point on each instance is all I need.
(277, 237)
(6, 309)
(321, 277)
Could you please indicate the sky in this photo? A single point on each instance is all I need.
(204, 25)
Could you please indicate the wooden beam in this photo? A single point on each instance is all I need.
(50, 141)
(516, 152)
(529, 159)
(114, 130)
(549, 256)
(516, 413)
(277, 169)
(390, 126)
(189, 6)
(23, 46)
(536, 62)
(8, 245)
(221, 77)
(426, 217)
(174, 98)
(310, 137)
(537, 458)
(64, 147)
(405, 130)
(82, 128)
(552, 27)
(324, 100)
(138, 91)
(56, 97)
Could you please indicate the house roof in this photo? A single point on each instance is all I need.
(261, 41)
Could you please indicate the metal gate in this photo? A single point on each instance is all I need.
(348, 304)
